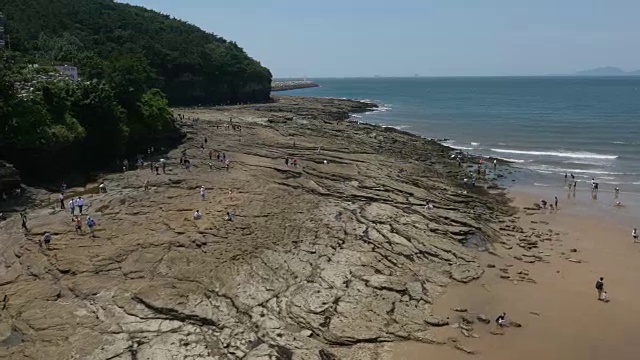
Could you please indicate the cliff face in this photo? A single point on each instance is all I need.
(9, 178)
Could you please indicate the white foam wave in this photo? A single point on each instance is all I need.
(584, 155)
(397, 127)
(546, 168)
(519, 161)
(539, 184)
(636, 183)
(453, 144)
(475, 144)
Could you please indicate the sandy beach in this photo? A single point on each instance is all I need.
(559, 313)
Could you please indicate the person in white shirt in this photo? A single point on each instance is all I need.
(61, 197)
(634, 234)
(72, 207)
(202, 193)
(197, 215)
(80, 204)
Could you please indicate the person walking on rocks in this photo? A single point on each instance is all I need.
(226, 164)
(46, 240)
(91, 224)
(203, 195)
(146, 185)
(61, 198)
(634, 234)
(164, 166)
(80, 204)
(72, 207)
(23, 218)
(600, 287)
(78, 225)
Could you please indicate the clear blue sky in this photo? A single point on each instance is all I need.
(325, 38)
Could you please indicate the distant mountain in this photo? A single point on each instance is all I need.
(607, 71)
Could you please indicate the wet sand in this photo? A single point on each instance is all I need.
(561, 317)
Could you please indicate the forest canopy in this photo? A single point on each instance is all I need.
(189, 65)
(133, 63)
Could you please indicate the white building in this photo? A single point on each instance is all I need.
(70, 71)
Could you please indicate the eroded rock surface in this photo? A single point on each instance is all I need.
(318, 259)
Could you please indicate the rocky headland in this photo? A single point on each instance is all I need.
(320, 257)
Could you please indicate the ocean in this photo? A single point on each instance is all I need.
(547, 126)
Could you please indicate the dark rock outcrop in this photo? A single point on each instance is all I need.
(9, 178)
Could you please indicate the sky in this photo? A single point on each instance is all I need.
(352, 38)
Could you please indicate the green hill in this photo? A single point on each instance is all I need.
(188, 64)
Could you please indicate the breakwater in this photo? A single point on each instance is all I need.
(291, 85)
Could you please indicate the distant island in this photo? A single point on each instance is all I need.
(607, 71)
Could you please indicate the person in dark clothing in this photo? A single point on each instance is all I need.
(600, 288)
(46, 240)
(556, 201)
(23, 217)
(500, 320)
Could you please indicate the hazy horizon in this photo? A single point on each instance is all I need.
(336, 39)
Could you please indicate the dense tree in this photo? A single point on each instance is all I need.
(51, 125)
(191, 66)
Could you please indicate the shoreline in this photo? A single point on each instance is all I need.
(558, 311)
(320, 257)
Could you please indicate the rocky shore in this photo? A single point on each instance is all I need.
(292, 85)
(319, 258)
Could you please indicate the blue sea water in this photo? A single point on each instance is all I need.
(588, 126)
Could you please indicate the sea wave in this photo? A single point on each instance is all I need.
(584, 155)
(552, 169)
(540, 184)
(475, 144)
(519, 161)
(397, 127)
(453, 144)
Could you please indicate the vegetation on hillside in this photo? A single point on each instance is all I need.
(133, 64)
(189, 65)
(50, 125)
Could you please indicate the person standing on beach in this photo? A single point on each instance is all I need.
(202, 193)
(565, 178)
(495, 164)
(616, 192)
(556, 202)
(634, 234)
(72, 207)
(61, 197)
(600, 287)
